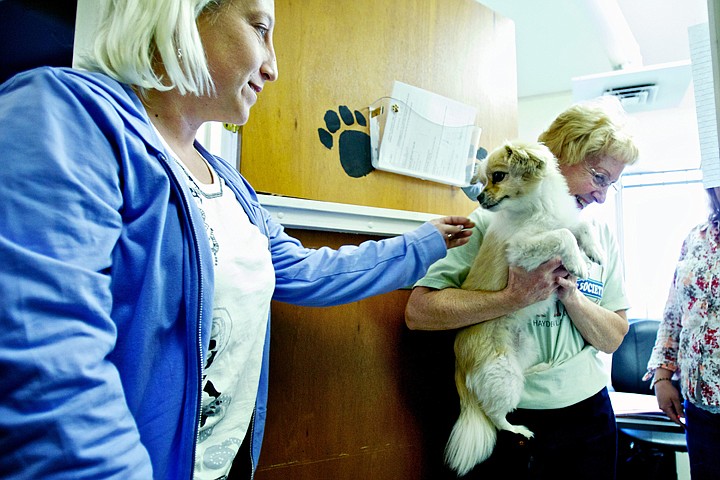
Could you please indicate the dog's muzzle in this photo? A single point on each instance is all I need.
(487, 203)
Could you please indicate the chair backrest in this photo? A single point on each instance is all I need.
(629, 362)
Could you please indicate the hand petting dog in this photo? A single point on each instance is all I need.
(455, 230)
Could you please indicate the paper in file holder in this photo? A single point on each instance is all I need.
(439, 144)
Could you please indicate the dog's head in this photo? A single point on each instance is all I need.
(512, 171)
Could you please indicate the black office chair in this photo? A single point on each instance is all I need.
(643, 450)
(629, 362)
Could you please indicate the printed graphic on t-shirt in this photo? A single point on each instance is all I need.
(216, 404)
(198, 194)
(543, 321)
(593, 286)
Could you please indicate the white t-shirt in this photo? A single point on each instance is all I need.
(576, 371)
(244, 284)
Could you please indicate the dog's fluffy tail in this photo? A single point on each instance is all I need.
(472, 439)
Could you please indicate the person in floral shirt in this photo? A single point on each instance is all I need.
(687, 345)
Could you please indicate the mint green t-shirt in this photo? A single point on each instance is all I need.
(576, 372)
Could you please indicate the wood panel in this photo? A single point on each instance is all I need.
(354, 394)
(349, 53)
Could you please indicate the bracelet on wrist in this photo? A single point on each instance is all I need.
(655, 382)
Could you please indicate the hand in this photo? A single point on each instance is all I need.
(529, 287)
(455, 230)
(669, 401)
(567, 284)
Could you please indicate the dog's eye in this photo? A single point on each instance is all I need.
(498, 177)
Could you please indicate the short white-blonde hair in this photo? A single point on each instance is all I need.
(153, 45)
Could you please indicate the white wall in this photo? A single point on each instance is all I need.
(536, 113)
(86, 19)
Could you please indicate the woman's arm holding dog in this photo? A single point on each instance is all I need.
(450, 308)
(602, 328)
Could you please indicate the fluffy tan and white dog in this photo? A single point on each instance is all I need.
(535, 219)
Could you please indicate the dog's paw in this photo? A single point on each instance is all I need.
(589, 244)
(519, 429)
(524, 431)
(594, 253)
(571, 254)
(577, 266)
(353, 145)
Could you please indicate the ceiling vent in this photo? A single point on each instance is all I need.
(635, 95)
(639, 89)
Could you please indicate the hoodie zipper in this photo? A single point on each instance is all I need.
(251, 432)
(198, 412)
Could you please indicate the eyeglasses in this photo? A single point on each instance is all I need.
(600, 180)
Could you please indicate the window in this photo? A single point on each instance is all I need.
(659, 210)
(651, 215)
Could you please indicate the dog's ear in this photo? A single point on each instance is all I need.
(525, 162)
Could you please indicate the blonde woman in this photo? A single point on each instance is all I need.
(137, 269)
(566, 406)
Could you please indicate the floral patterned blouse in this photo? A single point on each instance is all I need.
(687, 340)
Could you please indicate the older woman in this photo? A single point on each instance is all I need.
(137, 269)
(567, 406)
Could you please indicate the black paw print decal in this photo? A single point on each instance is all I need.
(353, 145)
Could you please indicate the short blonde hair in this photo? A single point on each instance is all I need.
(136, 38)
(594, 128)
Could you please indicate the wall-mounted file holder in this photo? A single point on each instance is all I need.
(421, 134)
